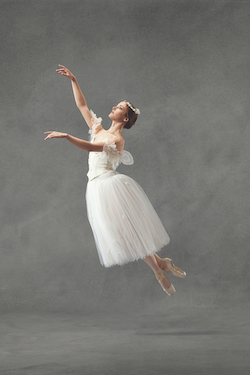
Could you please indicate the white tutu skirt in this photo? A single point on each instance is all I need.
(124, 222)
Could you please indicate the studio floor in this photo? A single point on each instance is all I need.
(199, 341)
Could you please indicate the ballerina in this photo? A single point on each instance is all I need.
(124, 223)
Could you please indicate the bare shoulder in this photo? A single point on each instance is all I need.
(104, 136)
(120, 142)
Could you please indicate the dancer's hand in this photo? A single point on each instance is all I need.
(55, 135)
(65, 72)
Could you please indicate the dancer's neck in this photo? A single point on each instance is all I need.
(116, 127)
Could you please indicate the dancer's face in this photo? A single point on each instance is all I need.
(119, 113)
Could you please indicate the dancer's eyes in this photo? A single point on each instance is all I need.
(119, 107)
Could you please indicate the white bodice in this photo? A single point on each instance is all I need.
(109, 158)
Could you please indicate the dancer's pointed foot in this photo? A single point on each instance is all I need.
(168, 266)
(165, 283)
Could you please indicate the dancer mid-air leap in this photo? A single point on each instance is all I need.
(124, 222)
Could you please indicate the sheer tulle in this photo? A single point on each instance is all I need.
(124, 222)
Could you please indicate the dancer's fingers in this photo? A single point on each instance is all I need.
(63, 67)
(63, 73)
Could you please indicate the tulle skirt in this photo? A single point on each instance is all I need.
(124, 222)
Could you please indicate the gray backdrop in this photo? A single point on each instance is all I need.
(185, 64)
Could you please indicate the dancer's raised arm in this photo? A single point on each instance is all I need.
(78, 95)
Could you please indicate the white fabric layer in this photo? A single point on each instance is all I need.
(124, 223)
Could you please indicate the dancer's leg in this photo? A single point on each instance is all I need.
(152, 262)
(163, 280)
(159, 261)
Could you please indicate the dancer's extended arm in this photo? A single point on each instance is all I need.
(78, 95)
(84, 145)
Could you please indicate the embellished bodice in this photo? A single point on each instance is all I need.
(109, 158)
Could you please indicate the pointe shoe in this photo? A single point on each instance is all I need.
(170, 290)
(172, 269)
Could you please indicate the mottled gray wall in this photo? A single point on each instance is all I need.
(185, 64)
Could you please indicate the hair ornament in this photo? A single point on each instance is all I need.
(136, 110)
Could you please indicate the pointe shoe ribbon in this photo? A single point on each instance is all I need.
(170, 267)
